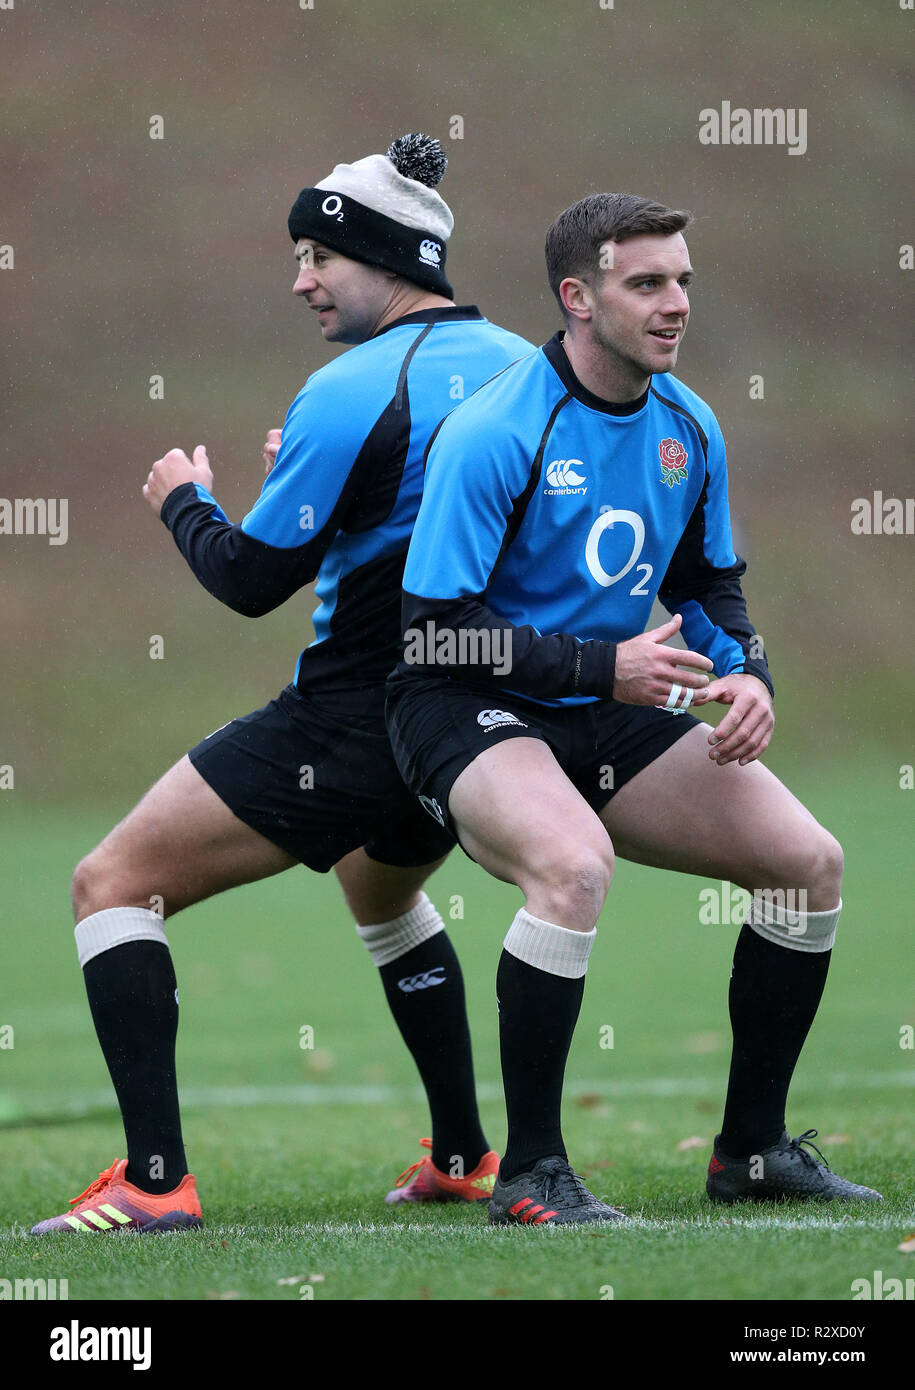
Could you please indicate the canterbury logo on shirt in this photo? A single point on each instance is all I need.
(428, 978)
(563, 479)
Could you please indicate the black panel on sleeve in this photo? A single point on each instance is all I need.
(244, 573)
(530, 663)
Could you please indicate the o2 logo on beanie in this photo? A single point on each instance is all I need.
(429, 253)
(333, 206)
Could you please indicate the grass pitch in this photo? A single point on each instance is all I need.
(294, 1147)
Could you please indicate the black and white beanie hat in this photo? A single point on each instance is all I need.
(383, 210)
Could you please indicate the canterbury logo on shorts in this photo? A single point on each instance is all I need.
(430, 804)
(493, 718)
(428, 978)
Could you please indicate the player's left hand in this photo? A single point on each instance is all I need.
(746, 729)
(174, 469)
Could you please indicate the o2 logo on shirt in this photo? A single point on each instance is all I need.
(606, 521)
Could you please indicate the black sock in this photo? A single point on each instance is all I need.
(132, 996)
(537, 1017)
(773, 998)
(425, 990)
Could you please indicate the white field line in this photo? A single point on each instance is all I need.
(334, 1229)
(439, 1233)
(312, 1093)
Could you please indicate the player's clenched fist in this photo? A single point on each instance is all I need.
(647, 671)
(271, 449)
(174, 469)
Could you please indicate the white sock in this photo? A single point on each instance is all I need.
(556, 950)
(799, 931)
(115, 925)
(386, 941)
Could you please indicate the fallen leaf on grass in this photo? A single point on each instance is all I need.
(320, 1060)
(698, 1043)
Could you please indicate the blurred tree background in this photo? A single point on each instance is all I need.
(136, 256)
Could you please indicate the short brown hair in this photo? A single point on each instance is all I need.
(574, 241)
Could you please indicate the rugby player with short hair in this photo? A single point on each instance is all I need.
(310, 777)
(560, 500)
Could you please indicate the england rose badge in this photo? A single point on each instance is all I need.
(673, 458)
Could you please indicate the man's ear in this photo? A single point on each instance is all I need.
(577, 298)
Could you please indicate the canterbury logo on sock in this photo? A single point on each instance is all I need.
(428, 978)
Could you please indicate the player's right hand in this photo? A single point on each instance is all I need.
(271, 448)
(646, 669)
(173, 469)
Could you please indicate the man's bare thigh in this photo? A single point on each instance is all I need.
(684, 812)
(179, 845)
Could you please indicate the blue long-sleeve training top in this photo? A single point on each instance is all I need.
(342, 498)
(551, 520)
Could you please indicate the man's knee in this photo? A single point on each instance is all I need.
(369, 905)
(377, 892)
(98, 883)
(814, 865)
(828, 863)
(85, 886)
(574, 880)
